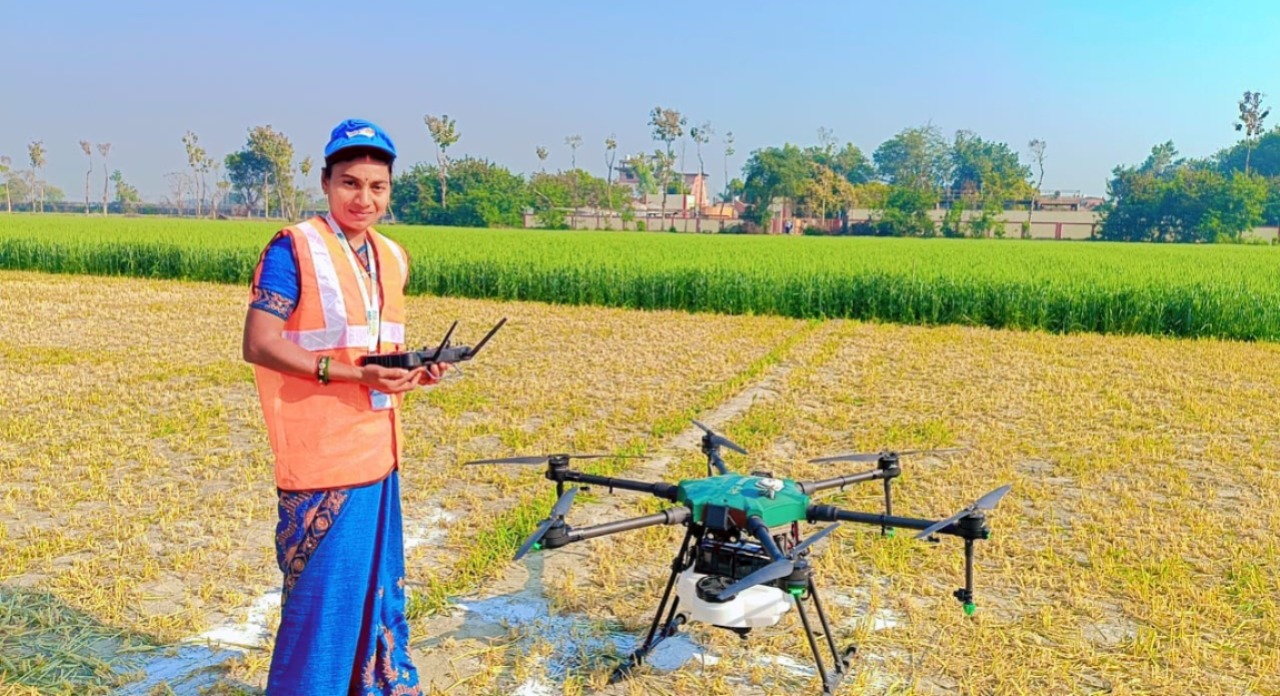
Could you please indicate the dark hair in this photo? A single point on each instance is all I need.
(347, 154)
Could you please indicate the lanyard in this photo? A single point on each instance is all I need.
(372, 310)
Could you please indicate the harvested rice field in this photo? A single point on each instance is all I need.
(1136, 553)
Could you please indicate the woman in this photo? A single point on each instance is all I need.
(325, 292)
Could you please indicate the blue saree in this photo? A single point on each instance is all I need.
(342, 626)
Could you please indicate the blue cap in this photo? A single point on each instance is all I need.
(355, 132)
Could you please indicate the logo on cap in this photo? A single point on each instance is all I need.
(366, 132)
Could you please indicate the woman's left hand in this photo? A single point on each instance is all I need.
(432, 374)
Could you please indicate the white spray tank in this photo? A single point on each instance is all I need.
(754, 607)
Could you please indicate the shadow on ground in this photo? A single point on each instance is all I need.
(49, 647)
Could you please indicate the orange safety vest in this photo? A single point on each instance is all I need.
(329, 435)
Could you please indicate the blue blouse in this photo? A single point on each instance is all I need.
(278, 289)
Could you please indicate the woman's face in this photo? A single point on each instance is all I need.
(358, 191)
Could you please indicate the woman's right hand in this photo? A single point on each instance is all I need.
(390, 380)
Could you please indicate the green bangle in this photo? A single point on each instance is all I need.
(323, 368)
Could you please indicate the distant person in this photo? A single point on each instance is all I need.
(787, 226)
(325, 292)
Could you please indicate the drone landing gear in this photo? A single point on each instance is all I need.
(660, 629)
(673, 623)
(841, 661)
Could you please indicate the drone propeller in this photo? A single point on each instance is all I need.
(986, 502)
(877, 456)
(813, 539)
(780, 568)
(557, 517)
(545, 458)
(720, 440)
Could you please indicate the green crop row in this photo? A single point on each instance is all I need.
(1212, 291)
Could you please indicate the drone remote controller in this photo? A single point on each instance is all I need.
(441, 354)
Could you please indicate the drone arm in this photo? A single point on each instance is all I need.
(672, 516)
(760, 531)
(972, 527)
(666, 491)
(811, 487)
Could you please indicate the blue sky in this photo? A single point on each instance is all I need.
(1101, 82)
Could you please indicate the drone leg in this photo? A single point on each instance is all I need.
(677, 566)
(842, 664)
(670, 626)
(828, 687)
(888, 507)
(965, 594)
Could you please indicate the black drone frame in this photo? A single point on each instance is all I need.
(788, 567)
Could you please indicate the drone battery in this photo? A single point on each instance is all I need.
(730, 559)
(754, 607)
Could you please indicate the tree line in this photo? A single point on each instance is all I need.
(975, 181)
(1168, 198)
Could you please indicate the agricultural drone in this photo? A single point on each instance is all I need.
(742, 564)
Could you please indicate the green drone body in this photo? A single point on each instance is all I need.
(745, 494)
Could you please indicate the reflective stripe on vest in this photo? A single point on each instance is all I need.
(337, 334)
(400, 259)
(393, 331)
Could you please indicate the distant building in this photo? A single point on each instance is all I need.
(1067, 200)
(694, 183)
(725, 211)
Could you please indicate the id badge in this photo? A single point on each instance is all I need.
(379, 401)
(374, 327)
